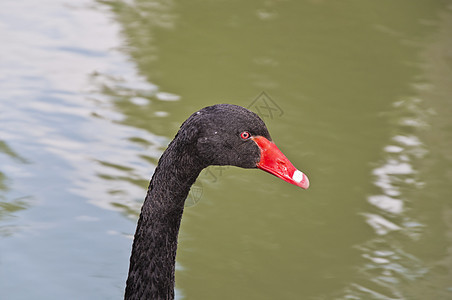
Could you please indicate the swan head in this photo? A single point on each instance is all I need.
(226, 134)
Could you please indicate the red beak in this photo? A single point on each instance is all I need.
(274, 162)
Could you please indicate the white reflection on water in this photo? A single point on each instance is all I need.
(386, 264)
(396, 173)
(53, 62)
(381, 225)
(56, 57)
(414, 261)
(389, 204)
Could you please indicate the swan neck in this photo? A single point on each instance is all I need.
(152, 263)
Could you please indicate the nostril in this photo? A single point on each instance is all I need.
(281, 165)
(281, 162)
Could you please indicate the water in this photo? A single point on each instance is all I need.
(356, 94)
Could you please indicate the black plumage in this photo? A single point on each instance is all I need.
(211, 136)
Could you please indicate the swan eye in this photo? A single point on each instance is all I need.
(245, 135)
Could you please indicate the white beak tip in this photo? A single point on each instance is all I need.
(298, 176)
(301, 179)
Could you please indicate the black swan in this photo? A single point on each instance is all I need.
(221, 134)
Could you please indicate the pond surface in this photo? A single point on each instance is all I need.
(357, 94)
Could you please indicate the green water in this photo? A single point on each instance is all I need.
(357, 94)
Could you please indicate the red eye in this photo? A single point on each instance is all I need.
(245, 135)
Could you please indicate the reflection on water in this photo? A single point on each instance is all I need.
(63, 149)
(388, 263)
(8, 206)
(397, 262)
